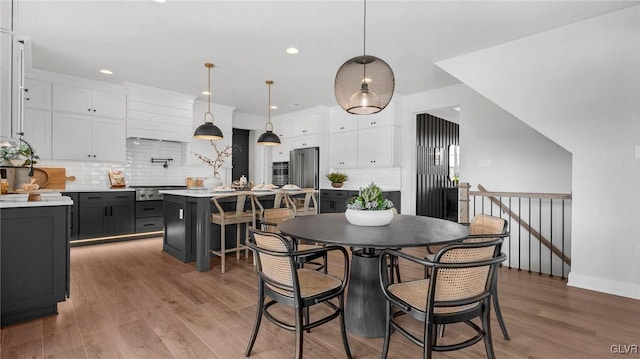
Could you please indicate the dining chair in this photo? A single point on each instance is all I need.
(282, 281)
(484, 227)
(458, 290)
(269, 221)
(238, 217)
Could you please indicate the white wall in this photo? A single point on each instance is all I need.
(496, 149)
(580, 85)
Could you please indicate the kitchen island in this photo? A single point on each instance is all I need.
(35, 257)
(188, 233)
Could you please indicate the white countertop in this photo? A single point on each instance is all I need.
(44, 202)
(209, 193)
(97, 189)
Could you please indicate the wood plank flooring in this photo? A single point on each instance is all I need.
(131, 300)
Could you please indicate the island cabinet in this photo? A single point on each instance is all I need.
(181, 215)
(106, 214)
(35, 261)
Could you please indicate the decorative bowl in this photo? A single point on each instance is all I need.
(369, 218)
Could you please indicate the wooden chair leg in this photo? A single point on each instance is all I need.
(238, 240)
(223, 242)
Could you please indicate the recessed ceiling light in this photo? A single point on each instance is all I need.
(274, 107)
(160, 1)
(457, 108)
(292, 51)
(106, 72)
(206, 93)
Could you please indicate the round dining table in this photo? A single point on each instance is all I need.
(365, 308)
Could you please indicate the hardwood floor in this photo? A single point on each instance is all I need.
(131, 300)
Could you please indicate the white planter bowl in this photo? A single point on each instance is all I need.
(369, 218)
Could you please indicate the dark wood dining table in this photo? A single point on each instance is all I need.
(365, 308)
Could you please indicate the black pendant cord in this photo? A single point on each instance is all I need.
(266, 127)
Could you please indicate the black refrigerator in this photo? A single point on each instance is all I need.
(304, 167)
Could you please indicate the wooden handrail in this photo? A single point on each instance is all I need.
(492, 197)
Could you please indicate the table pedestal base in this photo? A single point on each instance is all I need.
(365, 308)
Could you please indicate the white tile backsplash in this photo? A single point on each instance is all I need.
(138, 168)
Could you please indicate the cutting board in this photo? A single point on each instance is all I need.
(57, 177)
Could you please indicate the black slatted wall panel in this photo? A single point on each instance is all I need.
(434, 135)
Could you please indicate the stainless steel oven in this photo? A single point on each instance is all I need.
(280, 175)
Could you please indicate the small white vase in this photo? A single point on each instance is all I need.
(212, 182)
(369, 218)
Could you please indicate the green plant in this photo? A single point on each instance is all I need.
(369, 199)
(337, 177)
(20, 156)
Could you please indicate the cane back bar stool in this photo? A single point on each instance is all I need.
(238, 217)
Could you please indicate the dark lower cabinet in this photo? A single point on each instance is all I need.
(35, 262)
(177, 239)
(334, 201)
(149, 216)
(105, 214)
(74, 213)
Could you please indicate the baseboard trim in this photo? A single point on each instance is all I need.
(623, 289)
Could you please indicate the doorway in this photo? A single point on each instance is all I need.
(240, 159)
(437, 144)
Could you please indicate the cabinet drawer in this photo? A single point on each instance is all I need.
(93, 197)
(148, 224)
(149, 209)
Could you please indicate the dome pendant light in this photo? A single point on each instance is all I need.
(208, 131)
(364, 84)
(269, 138)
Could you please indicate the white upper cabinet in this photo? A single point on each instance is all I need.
(344, 150)
(377, 147)
(342, 121)
(37, 130)
(306, 141)
(281, 153)
(6, 15)
(85, 137)
(282, 128)
(37, 94)
(306, 124)
(385, 117)
(82, 100)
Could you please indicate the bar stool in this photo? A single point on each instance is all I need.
(303, 206)
(237, 217)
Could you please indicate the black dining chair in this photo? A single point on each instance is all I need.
(458, 290)
(282, 281)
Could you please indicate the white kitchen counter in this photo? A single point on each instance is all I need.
(44, 202)
(97, 189)
(200, 193)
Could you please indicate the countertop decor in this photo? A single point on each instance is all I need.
(337, 179)
(218, 161)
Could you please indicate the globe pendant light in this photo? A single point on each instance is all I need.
(208, 131)
(364, 84)
(269, 138)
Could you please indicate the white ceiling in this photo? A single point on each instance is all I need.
(166, 45)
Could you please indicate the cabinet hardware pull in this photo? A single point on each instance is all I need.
(27, 99)
(148, 209)
(147, 224)
(181, 214)
(89, 109)
(111, 210)
(89, 156)
(94, 110)
(105, 211)
(94, 156)
(94, 197)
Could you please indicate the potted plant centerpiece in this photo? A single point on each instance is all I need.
(337, 179)
(18, 159)
(370, 208)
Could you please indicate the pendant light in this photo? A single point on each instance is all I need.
(269, 138)
(364, 84)
(208, 131)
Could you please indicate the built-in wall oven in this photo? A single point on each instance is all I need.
(280, 176)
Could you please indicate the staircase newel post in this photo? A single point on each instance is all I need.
(463, 208)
